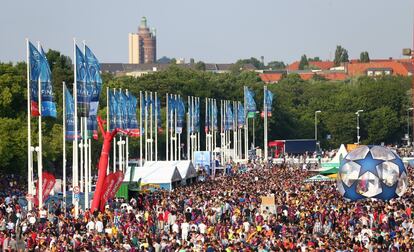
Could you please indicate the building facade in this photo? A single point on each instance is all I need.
(142, 45)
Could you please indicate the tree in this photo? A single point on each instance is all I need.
(364, 57)
(341, 55)
(201, 66)
(303, 62)
(314, 59)
(255, 62)
(276, 65)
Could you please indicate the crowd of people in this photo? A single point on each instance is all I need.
(222, 213)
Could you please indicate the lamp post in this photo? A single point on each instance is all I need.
(357, 113)
(408, 125)
(316, 124)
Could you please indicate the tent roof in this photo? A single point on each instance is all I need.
(318, 178)
(154, 172)
(185, 167)
(333, 170)
(342, 152)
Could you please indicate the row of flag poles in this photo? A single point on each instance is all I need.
(80, 108)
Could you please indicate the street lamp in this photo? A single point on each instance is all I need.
(357, 113)
(408, 125)
(316, 124)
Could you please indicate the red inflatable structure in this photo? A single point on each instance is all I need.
(103, 164)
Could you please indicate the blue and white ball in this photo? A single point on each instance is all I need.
(372, 172)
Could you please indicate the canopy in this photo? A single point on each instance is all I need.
(318, 178)
(153, 172)
(336, 160)
(185, 167)
(330, 171)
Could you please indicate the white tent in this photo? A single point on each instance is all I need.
(185, 167)
(335, 162)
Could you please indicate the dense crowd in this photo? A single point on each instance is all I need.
(220, 214)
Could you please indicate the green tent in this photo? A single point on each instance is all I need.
(333, 170)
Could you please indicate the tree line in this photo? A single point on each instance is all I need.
(385, 101)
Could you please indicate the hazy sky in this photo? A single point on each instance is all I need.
(216, 31)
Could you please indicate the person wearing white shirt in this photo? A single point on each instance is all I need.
(99, 226)
(91, 225)
(175, 227)
(202, 227)
(184, 230)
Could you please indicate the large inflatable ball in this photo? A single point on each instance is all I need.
(372, 172)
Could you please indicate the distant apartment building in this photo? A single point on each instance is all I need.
(142, 45)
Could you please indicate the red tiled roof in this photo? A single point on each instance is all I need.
(329, 76)
(398, 68)
(323, 65)
(271, 77)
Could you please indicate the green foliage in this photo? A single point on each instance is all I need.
(276, 65)
(341, 55)
(303, 62)
(201, 66)
(364, 57)
(314, 59)
(255, 62)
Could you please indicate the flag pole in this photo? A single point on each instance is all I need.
(265, 122)
(114, 141)
(156, 126)
(107, 122)
(64, 144)
(167, 129)
(193, 128)
(39, 157)
(188, 128)
(146, 127)
(75, 177)
(172, 131)
(29, 133)
(150, 126)
(246, 128)
(199, 119)
(120, 157)
(127, 141)
(140, 129)
(175, 130)
(85, 151)
(179, 134)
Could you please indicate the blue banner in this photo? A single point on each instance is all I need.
(70, 116)
(250, 103)
(215, 116)
(240, 116)
(180, 115)
(228, 123)
(45, 77)
(94, 79)
(132, 116)
(35, 61)
(83, 89)
(113, 107)
(269, 100)
(197, 116)
(207, 121)
(159, 122)
(172, 103)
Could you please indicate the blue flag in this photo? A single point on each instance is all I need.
(94, 79)
(45, 77)
(269, 100)
(215, 118)
(240, 116)
(180, 115)
(197, 116)
(159, 122)
(83, 88)
(171, 110)
(113, 107)
(250, 103)
(132, 116)
(229, 118)
(207, 121)
(35, 61)
(70, 116)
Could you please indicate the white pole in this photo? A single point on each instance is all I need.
(107, 123)
(127, 143)
(235, 140)
(81, 155)
(39, 160)
(199, 119)
(188, 132)
(246, 128)
(192, 126)
(120, 161)
(179, 136)
(64, 144)
(265, 122)
(86, 162)
(140, 129)
(175, 130)
(150, 126)
(221, 133)
(172, 132)
(146, 126)
(29, 133)
(114, 141)
(167, 129)
(90, 166)
(75, 178)
(156, 126)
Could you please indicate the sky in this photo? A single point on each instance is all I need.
(214, 31)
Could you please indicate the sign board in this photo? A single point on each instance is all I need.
(202, 159)
(76, 190)
(76, 197)
(268, 204)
